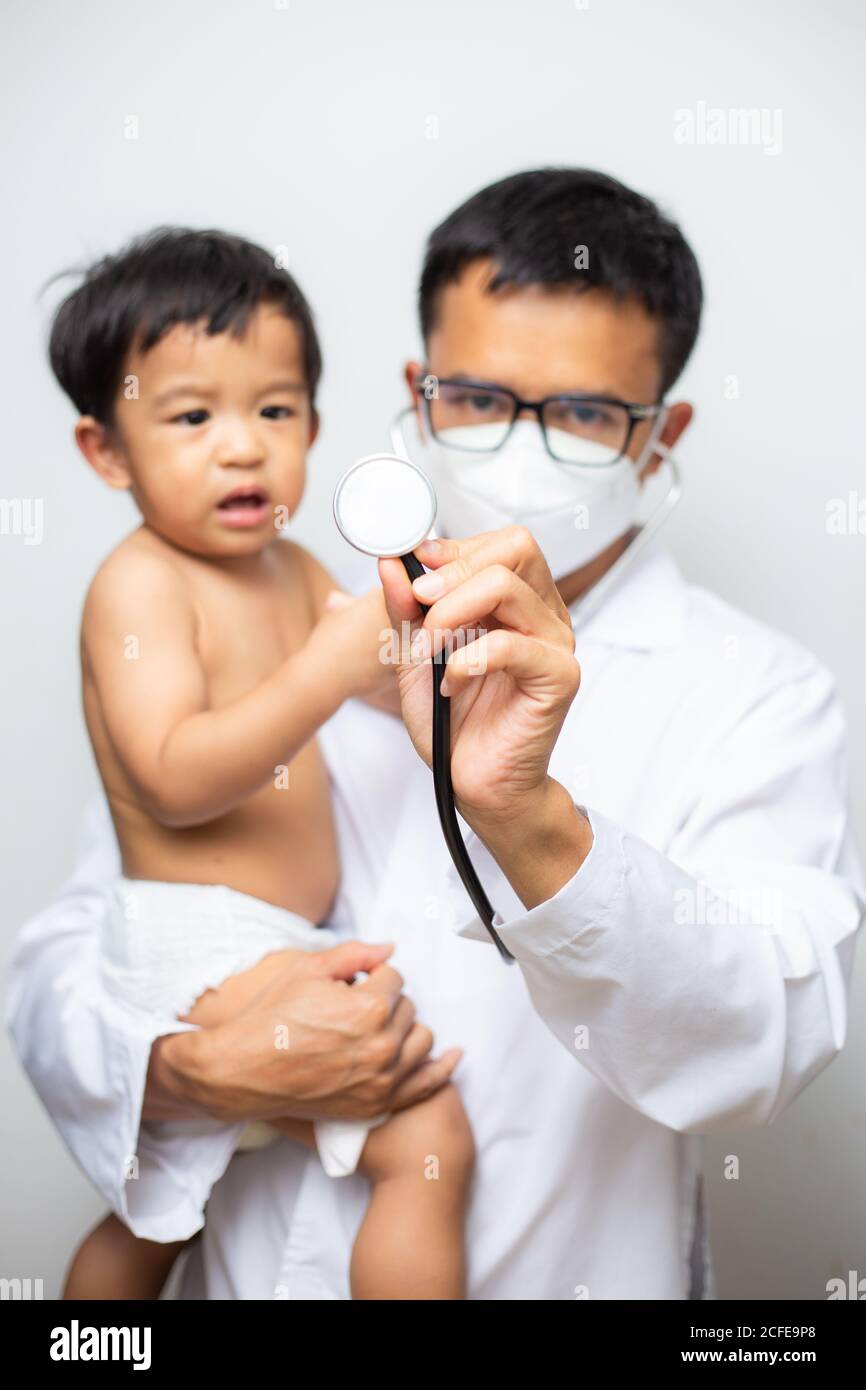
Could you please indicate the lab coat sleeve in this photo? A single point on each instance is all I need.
(707, 986)
(87, 1056)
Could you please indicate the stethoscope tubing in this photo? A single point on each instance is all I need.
(444, 789)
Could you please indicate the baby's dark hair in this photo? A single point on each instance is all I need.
(530, 226)
(169, 276)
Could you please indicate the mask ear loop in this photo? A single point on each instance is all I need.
(652, 446)
(398, 439)
(590, 602)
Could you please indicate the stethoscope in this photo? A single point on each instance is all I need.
(384, 506)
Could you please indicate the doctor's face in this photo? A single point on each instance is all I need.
(538, 341)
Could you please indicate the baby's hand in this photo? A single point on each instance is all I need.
(356, 632)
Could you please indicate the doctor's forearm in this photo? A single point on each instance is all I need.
(171, 1091)
(540, 849)
(186, 1079)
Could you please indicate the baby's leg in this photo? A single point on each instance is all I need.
(113, 1263)
(411, 1243)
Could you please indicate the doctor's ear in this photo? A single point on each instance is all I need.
(411, 373)
(678, 420)
(102, 449)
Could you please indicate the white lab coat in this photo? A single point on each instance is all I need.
(691, 977)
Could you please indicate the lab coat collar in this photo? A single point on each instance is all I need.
(645, 608)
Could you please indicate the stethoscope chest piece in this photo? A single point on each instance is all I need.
(385, 505)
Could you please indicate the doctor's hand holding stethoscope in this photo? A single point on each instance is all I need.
(510, 689)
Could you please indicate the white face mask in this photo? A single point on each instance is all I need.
(574, 510)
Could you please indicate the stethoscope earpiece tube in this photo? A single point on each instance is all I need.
(443, 786)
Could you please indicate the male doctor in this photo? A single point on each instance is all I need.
(668, 852)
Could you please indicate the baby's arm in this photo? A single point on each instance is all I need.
(188, 763)
(383, 694)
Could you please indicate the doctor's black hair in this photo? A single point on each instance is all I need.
(531, 226)
(169, 276)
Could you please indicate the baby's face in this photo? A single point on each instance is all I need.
(216, 441)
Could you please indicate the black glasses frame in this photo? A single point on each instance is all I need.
(636, 412)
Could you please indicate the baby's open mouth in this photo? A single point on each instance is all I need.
(244, 499)
(246, 506)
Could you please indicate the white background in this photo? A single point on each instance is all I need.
(307, 126)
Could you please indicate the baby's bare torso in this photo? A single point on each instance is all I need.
(279, 845)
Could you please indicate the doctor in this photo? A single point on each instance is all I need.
(667, 847)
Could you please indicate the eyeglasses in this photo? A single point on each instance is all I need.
(576, 428)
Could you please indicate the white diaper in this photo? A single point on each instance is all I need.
(163, 944)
